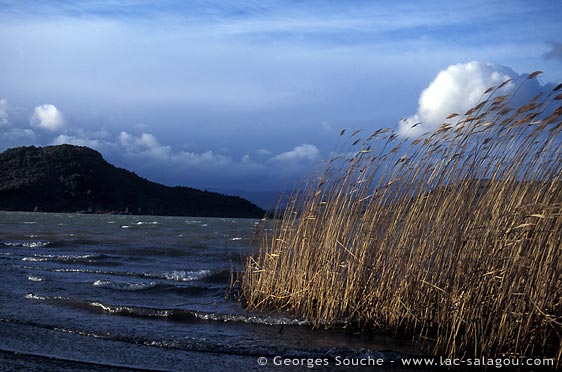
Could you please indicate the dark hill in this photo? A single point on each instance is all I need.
(69, 178)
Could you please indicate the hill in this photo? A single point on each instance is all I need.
(68, 178)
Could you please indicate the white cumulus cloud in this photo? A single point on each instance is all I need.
(148, 147)
(47, 117)
(459, 88)
(205, 159)
(300, 152)
(145, 144)
(73, 140)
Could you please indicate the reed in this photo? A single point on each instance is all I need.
(454, 237)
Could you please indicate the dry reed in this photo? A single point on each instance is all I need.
(454, 237)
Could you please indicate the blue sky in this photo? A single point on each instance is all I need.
(247, 95)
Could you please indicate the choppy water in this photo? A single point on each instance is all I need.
(106, 292)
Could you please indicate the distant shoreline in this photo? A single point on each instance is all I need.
(71, 179)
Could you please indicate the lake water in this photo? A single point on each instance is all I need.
(118, 293)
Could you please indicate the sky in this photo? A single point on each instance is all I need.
(252, 94)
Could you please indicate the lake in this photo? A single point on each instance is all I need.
(119, 293)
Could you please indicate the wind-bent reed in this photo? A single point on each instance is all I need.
(454, 237)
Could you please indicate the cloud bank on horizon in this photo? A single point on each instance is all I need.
(251, 94)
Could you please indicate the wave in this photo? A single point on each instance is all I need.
(153, 286)
(28, 244)
(140, 223)
(207, 276)
(32, 296)
(176, 314)
(50, 244)
(174, 275)
(123, 286)
(64, 258)
(191, 290)
(252, 319)
(184, 314)
(218, 346)
(180, 275)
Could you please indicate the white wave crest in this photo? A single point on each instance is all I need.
(123, 286)
(32, 296)
(52, 257)
(181, 275)
(147, 223)
(32, 244)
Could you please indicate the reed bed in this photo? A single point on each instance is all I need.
(453, 237)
